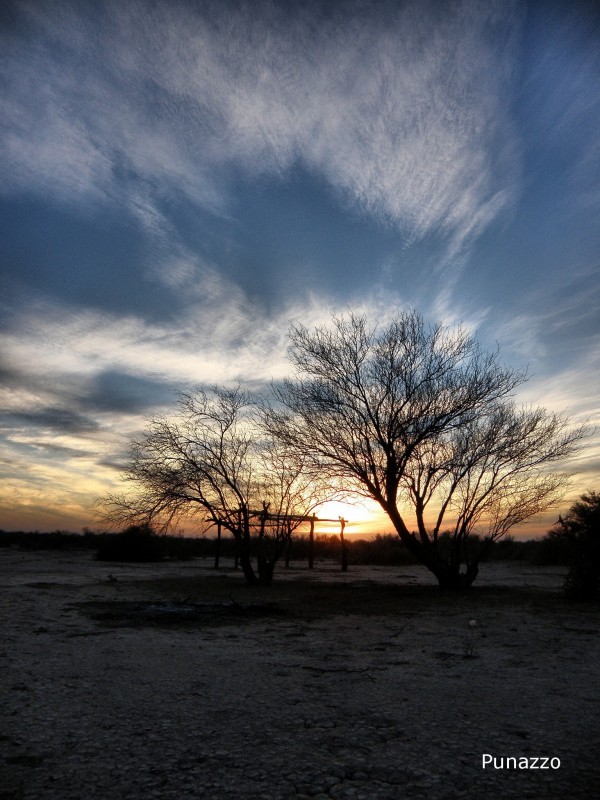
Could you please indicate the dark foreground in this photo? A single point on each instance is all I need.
(173, 681)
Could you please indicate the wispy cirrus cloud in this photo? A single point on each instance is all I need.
(564, 102)
(400, 108)
(102, 360)
(555, 323)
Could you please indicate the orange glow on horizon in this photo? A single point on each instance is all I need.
(364, 518)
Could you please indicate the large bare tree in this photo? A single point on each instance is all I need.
(421, 420)
(212, 462)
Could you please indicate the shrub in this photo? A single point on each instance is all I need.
(136, 543)
(35, 540)
(555, 549)
(579, 531)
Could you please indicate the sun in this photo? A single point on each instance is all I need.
(334, 509)
(361, 517)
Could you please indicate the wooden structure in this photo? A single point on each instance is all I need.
(265, 517)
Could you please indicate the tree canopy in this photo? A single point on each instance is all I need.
(213, 463)
(424, 422)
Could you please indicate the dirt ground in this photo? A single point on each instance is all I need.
(177, 681)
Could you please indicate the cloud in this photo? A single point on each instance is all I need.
(61, 419)
(573, 391)
(51, 449)
(101, 363)
(113, 390)
(97, 377)
(402, 109)
(564, 104)
(555, 322)
(69, 418)
(78, 385)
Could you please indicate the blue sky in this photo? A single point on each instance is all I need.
(180, 180)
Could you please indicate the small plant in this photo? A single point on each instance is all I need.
(470, 640)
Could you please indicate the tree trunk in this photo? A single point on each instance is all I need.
(218, 546)
(450, 578)
(248, 569)
(344, 546)
(265, 571)
(448, 574)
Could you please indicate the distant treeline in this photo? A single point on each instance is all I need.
(383, 549)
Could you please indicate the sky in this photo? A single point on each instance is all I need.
(181, 180)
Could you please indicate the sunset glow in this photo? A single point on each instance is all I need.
(362, 518)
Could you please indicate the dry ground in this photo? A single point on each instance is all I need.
(175, 681)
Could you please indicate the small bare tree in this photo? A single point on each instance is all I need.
(212, 463)
(420, 417)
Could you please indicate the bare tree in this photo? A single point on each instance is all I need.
(212, 463)
(419, 417)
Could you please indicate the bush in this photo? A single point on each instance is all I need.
(137, 543)
(34, 540)
(579, 533)
(555, 549)
(583, 580)
(383, 549)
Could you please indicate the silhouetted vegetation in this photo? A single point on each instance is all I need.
(55, 540)
(554, 549)
(577, 535)
(415, 417)
(136, 543)
(213, 464)
(383, 549)
(420, 418)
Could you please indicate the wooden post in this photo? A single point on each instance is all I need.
(236, 549)
(263, 519)
(344, 546)
(218, 549)
(288, 549)
(236, 554)
(311, 543)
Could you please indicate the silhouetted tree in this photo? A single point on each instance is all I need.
(420, 418)
(579, 529)
(212, 462)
